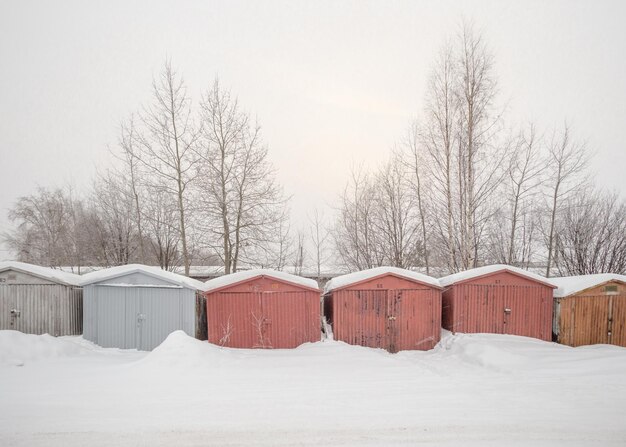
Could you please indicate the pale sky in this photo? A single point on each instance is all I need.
(331, 83)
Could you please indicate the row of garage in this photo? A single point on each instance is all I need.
(136, 306)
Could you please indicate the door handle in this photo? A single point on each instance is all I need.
(141, 317)
(391, 317)
(507, 310)
(15, 312)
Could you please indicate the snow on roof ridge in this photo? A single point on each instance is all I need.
(363, 275)
(243, 275)
(120, 270)
(44, 272)
(487, 269)
(568, 285)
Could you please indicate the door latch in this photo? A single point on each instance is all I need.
(15, 312)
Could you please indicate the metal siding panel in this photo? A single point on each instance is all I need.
(111, 317)
(44, 308)
(389, 319)
(164, 311)
(263, 319)
(480, 308)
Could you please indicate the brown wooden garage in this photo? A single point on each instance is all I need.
(590, 309)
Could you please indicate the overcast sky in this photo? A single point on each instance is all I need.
(331, 83)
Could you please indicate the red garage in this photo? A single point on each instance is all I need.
(262, 309)
(385, 307)
(498, 299)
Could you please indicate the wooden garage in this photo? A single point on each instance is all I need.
(590, 309)
(262, 309)
(385, 307)
(498, 299)
(40, 300)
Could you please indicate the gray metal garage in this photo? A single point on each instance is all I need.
(137, 306)
(39, 300)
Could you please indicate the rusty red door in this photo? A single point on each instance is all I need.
(287, 319)
(361, 317)
(389, 319)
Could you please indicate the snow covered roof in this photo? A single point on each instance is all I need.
(156, 272)
(42, 272)
(568, 285)
(364, 275)
(234, 278)
(488, 269)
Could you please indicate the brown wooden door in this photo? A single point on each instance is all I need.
(618, 320)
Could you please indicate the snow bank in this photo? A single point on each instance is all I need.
(480, 271)
(364, 275)
(18, 349)
(181, 350)
(121, 270)
(568, 285)
(42, 272)
(234, 278)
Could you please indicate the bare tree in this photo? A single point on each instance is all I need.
(128, 155)
(591, 234)
(415, 159)
(566, 163)
(42, 227)
(167, 147)
(160, 213)
(354, 235)
(299, 255)
(320, 237)
(439, 138)
(113, 219)
(395, 220)
(511, 234)
(238, 186)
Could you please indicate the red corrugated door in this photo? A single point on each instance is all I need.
(231, 318)
(360, 317)
(414, 318)
(288, 319)
(504, 309)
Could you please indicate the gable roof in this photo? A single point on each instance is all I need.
(54, 275)
(155, 272)
(340, 282)
(569, 285)
(234, 278)
(489, 269)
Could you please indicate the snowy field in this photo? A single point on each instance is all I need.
(482, 390)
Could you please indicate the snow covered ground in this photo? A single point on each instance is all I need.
(471, 390)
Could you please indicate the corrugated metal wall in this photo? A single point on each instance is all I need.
(42, 308)
(499, 309)
(587, 320)
(394, 320)
(263, 319)
(137, 317)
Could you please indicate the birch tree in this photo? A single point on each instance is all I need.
(414, 157)
(167, 146)
(567, 160)
(239, 196)
(320, 237)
